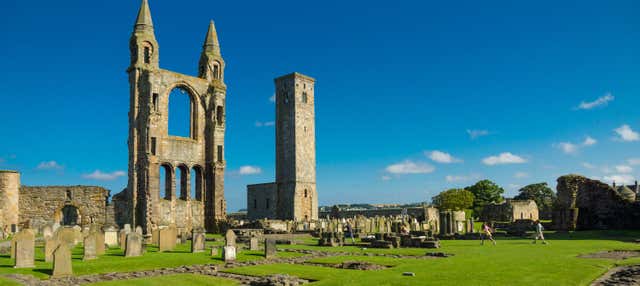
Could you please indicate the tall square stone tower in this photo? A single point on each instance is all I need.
(296, 148)
(294, 195)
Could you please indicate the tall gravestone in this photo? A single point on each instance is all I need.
(122, 238)
(89, 244)
(62, 262)
(229, 253)
(47, 231)
(66, 235)
(50, 245)
(253, 243)
(133, 245)
(111, 236)
(24, 249)
(100, 248)
(270, 248)
(197, 241)
(230, 238)
(167, 239)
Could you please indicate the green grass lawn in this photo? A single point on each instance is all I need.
(511, 262)
(114, 260)
(178, 279)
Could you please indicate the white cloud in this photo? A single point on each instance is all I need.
(442, 157)
(272, 98)
(249, 170)
(567, 147)
(520, 175)
(265, 124)
(624, 169)
(589, 141)
(588, 165)
(633, 161)
(503, 158)
(606, 170)
(475, 133)
(410, 167)
(513, 186)
(385, 178)
(101, 176)
(49, 165)
(461, 178)
(620, 179)
(625, 133)
(600, 101)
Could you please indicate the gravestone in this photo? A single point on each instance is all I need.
(197, 241)
(66, 235)
(100, 249)
(214, 251)
(13, 247)
(139, 230)
(62, 262)
(133, 245)
(127, 228)
(166, 240)
(111, 236)
(122, 238)
(229, 253)
(270, 248)
(89, 244)
(253, 243)
(155, 236)
(230, 238)
(50, 245)
(24, 249)
(77, 231)
(47, 231)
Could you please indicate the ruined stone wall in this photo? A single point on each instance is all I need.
(525, 209)
(418, 212)
(9, 198)
(258, 196)
(152, 148)
(41, 205)
(583, 203)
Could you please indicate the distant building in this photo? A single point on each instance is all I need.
(510, 210)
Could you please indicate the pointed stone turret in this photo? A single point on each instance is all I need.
(143, 44)
(211, 40)
(211, 66)
(143, 21)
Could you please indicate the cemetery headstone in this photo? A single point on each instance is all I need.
(62, 261)
(50, 245)
(133, 245)
(111, 236)
(229, 253)
(253, 243)
(270, 248)
(230, 238)
(197, 241)
(89, 244)
(24, 249)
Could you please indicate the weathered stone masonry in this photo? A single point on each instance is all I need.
(293, 196)
(152, 148)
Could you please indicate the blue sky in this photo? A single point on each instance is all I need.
(546, 89)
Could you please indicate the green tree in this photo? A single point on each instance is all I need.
(485, 192)
(454, 199)
(541, 194)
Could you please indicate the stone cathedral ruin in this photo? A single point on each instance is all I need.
(152, 201)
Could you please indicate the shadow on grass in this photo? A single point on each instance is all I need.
(46, 271)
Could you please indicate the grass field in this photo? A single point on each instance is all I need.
(510, 262)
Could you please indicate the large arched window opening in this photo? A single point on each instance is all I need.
(182, 181)
(196, 183)
(165, 182)
(181, 113)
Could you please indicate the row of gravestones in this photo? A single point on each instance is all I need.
(373, 225)
(230, 248)
(57, 247)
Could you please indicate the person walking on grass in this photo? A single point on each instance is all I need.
(350, 232)
(539, 235)
(486, 232)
